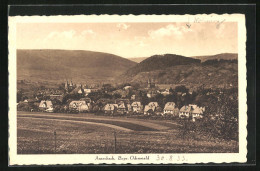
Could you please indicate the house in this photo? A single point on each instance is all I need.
(46, 105)
(165, 92)
(137, 107)
(88, 102)
(149, 110)
(87, 91)
(129, 108)
(110, 108)
(197, 113)
(127, 87)
(153, 104)
(80, 106)
(150, 83)
(81, 91)
(193, 111)
(121, 108)
(56, 97)
(169, 108)
(185, 112)
(86, 99)
(151, 94)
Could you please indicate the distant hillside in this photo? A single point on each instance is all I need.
(160, 61)
(88, 66)
(226, 56)
(179, 70)
(138, 60)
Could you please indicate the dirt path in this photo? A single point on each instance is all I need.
(132, 124)
(82, 122)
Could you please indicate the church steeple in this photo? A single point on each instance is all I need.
(66, 85)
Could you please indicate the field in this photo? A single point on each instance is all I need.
(91, 134)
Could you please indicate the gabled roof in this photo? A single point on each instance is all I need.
(185, 109)
(87, 90)
(153, 104)
(136, 104)
(110, 107)
(147, 107)
(127, 87)
(121, 105)
(193, 106)
(78, 103)
(169, 106)
(48, 103)
(197, 110)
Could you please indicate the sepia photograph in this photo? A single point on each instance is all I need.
(129, 88)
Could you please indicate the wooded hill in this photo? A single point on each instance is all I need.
(225, 56)
(96, 67)
(160, 61)
(174, 69)
(57, 65)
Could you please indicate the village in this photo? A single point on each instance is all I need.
(121, 100)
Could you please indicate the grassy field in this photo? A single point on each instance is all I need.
(88, 134)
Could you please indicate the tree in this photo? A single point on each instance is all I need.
(117, 96)
(182, 89)
(19, 95)
(171, 91)
(159, 98)
(224, 111)
(171, 98)
(144, 100)
(107, 96)
(107, 87)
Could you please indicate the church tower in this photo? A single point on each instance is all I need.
(66, 85)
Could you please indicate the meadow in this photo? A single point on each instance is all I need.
(41, 133)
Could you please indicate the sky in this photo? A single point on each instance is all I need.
(131, 39)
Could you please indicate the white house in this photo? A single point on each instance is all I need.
(110, 108)
(148, 110)
(169, 108)
(153, 104)
(137, 107)
(87, 91)
(127, 87)
(197, 113)
(193, 111)
(185, 112)
(81, 106)
(165, 92)
(122, 108)
(46, 105)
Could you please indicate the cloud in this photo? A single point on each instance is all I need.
(122, 26)
(141, 41)
(169, 30)
(69, 35)
(65, 34)
(88, 32)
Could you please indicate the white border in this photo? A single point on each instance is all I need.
(15, 159)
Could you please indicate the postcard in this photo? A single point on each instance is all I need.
(127, 89)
